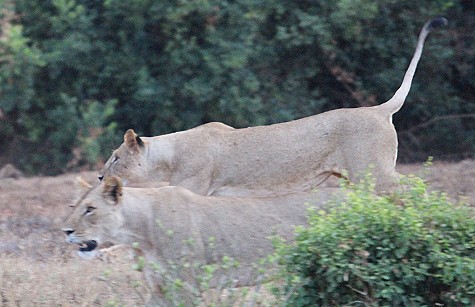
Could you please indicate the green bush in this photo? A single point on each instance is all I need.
(412, 248)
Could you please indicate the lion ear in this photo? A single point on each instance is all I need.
(112, 189)
(82, 184)
(132, 141)
(82, 187)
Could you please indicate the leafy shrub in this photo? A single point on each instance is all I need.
(407, 249)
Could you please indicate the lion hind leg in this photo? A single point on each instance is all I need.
(388, 181)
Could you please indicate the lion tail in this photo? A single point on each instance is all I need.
(395, 103)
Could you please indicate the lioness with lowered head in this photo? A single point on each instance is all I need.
(215, 159)
(170, 225)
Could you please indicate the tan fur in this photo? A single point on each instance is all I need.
(82, 184)
(131, 140)
(112, 189)
(172, 224)
(215, 159)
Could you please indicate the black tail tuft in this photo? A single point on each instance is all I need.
(438, 22)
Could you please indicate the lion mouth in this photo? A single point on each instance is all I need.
(88, 246)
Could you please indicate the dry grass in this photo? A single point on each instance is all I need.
(73, 282)
(38, 268)
(457, 179)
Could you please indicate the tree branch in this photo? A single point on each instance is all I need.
(437, 119)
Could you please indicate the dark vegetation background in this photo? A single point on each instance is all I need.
(74, 75)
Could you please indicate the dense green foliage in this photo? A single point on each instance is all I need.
(74, 74)
(413, 249)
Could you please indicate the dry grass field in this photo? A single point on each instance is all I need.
(38, 268)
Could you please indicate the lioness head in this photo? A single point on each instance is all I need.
(129, 156)
(95, 216)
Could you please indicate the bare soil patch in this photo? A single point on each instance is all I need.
(38, 268)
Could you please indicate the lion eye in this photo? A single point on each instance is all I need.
(89, 210)
(116, 158)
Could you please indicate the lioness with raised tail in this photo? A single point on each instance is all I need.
(215, 159)
(174, 229)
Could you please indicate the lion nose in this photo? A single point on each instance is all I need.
(100, 177)
(68, 231)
